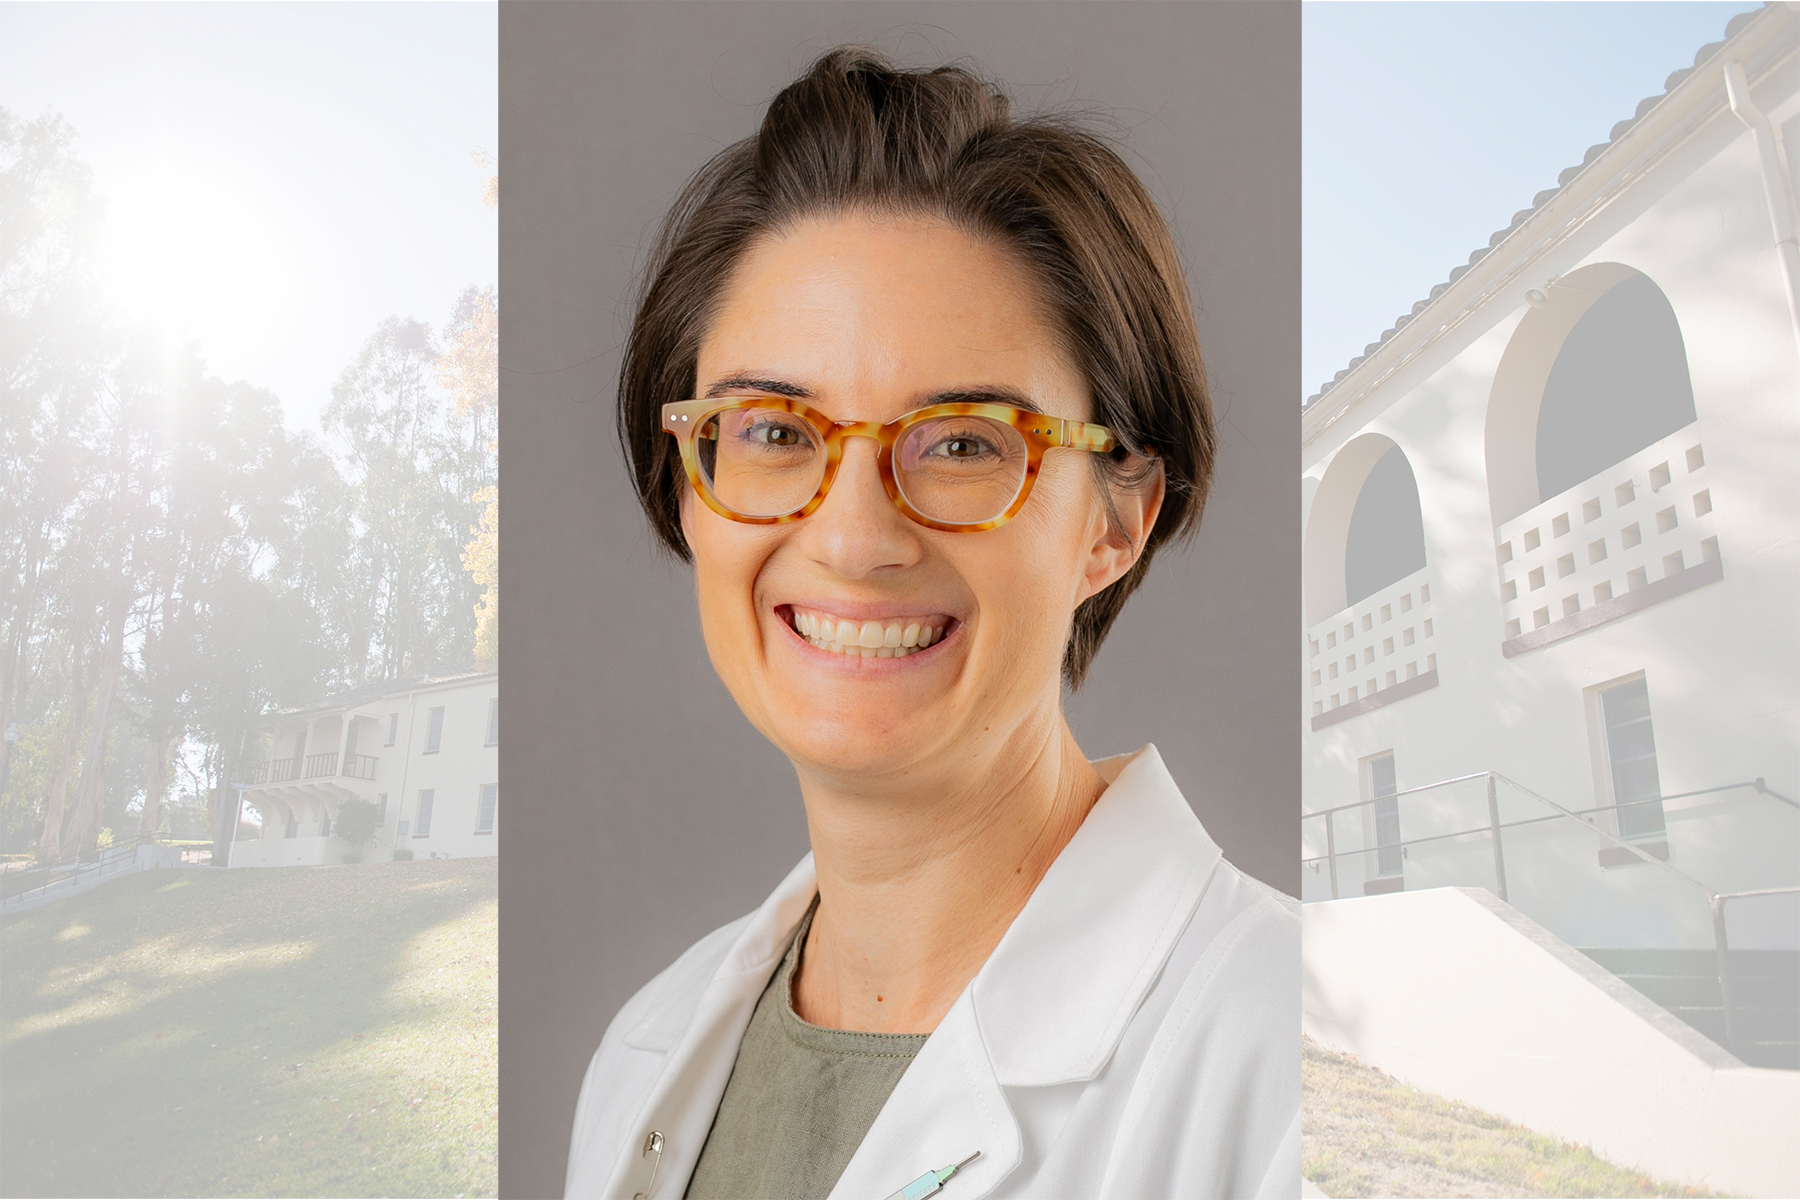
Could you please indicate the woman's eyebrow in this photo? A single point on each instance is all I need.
(979, 394)
(747, 383)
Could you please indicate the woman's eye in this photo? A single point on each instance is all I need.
(774, 433)
(959, 447)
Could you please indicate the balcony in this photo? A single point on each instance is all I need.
(313, 766)
(1379, 650)
(1636, 534)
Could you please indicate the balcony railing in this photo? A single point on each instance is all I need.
(313, 766)
(1380, 642)
(1569, 563)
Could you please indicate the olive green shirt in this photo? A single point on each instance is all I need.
(799, 1100)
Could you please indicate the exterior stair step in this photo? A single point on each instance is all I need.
(1765, 996)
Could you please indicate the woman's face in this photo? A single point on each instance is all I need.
(864, 318)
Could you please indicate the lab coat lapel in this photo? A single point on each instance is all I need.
(946, 1107)
(1052, 1002)
(702, 1048)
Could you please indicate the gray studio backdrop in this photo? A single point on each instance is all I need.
(642, 810)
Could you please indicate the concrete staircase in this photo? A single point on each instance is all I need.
(1765, 996)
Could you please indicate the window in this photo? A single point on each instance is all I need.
(1387, 815)
(493, 737)
(434, 730)
(381, 811)
(293, 826)
(393, 727)
(484, 812)
(1631, 758)
(424, 815)
(325, 824)
(402, 832)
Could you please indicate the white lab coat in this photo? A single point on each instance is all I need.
(1135, 1034)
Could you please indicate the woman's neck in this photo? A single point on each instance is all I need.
(916, 890)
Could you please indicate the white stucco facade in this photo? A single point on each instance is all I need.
(426, 753)
(1674, 570)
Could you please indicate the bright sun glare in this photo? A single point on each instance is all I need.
(203, 255)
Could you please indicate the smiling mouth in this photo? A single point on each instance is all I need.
(891, 637)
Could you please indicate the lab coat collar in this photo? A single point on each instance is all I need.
(1052, 1002)
(1054, 998)
(1049, 1006)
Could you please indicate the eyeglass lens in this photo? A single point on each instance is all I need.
(767, 462)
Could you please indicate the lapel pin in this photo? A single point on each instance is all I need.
(931, 1181)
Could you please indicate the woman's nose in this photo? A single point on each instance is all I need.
(858, 531)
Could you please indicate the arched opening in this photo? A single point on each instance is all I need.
(1593, 376)
(1619, 383)
(1386, 539)
(1364, 529)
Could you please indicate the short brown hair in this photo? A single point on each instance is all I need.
(856, 131)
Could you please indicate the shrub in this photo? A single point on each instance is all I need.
(403, 856)
(355, 823)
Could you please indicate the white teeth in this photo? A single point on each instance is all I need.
(866, 639)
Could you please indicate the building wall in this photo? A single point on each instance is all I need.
(1722, 662)
(455, 774)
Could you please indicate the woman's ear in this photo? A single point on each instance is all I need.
(1132, 509)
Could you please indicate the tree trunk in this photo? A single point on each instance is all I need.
(225, 801)
(84, 832)
(156, 782)
(50, 844)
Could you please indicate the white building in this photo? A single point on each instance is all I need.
(426, 753)
(1552, 559)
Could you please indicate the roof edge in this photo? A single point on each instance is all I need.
(1684, 91)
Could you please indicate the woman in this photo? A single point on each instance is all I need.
(916, 388)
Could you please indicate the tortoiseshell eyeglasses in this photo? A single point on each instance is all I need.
(955, 467)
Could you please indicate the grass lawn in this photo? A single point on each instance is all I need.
(294, 1031)
(1368, 1134)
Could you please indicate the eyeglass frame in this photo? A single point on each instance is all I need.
(1041, 432)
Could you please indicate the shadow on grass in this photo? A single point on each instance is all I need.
(309, 1031)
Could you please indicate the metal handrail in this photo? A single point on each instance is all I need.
(1716, 901)
(72, 869)
(1758, 784)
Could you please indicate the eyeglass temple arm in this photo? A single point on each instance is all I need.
(1082, 436)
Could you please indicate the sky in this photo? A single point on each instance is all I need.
(1426, 126)
(279, 177)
